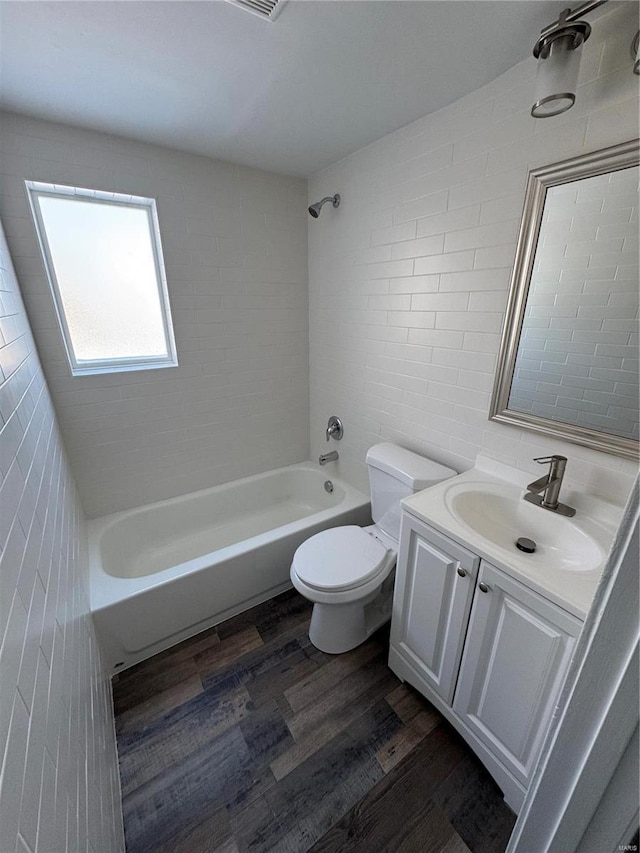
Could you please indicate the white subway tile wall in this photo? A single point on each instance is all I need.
(235, 250)
(59, 786)
(408, 279)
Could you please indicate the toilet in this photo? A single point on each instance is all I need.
(347, 572)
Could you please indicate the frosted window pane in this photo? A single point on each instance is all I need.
(104, 265)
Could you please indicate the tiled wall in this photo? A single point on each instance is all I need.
(59, 788)
(409, 277)
(578, 353)
(235, 249)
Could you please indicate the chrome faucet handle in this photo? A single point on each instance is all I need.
(544, 492)
(334, 428)
(540, 485)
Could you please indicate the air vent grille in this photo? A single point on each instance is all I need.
(268, 10)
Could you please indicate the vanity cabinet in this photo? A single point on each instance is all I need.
(487, 651)
(433, 595)
(516, 654)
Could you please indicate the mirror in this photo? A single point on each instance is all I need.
(568, 361)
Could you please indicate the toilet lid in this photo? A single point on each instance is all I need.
(339, 559)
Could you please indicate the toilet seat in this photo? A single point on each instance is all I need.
(340, 559)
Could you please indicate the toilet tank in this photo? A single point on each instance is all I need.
(394, 474)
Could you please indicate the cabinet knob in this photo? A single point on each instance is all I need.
(462, 572)
(484, 587)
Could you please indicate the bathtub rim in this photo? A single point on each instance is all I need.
(106, 590)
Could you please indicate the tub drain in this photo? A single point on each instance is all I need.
(328, 486)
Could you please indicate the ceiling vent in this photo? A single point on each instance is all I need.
(268, 10)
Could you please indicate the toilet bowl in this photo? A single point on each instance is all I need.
(342, 570)
(347, 572)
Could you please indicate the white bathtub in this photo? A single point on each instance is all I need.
(164, 572)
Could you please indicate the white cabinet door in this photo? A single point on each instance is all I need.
(433, 593)
(516, 655)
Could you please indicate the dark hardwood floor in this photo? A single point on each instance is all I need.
(247, 738)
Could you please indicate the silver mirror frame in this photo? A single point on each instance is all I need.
(611, 159)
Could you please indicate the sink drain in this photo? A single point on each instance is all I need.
(526, 545)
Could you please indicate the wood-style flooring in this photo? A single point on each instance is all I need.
(247, 739)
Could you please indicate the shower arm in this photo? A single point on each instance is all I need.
(315, 209)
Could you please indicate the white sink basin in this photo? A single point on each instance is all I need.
(486, 513)
(499, 515)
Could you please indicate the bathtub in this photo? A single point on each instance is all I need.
(164, 572)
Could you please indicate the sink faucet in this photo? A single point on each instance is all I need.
(328, 457)
(545, 491)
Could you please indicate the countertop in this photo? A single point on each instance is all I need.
(571, 588)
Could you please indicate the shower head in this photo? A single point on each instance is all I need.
(314, 210)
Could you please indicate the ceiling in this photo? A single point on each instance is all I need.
(291, 96)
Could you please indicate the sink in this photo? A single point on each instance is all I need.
(498, 514)
(484, 510)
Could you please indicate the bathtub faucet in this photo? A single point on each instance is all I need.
(328, 457)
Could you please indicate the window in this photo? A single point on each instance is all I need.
(104, 262)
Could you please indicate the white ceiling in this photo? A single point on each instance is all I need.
(292, 96)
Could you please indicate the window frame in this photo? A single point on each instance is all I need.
(86, 367)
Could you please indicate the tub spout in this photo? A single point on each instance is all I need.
(328, 457)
